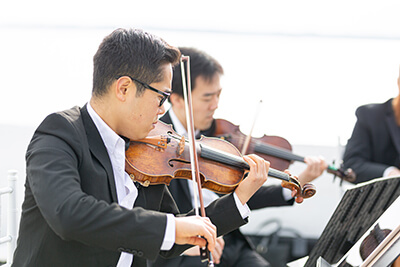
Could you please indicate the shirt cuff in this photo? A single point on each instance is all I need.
(243, 209)
(388, 170)
(169, 237)
(286, 194)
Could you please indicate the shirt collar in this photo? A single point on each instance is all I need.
(179, 128)
(110, 138)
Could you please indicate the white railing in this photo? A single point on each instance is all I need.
(11, 235)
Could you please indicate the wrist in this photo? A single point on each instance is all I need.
(243, 197)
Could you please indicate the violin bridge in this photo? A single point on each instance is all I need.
(159, 142)
(181, 146)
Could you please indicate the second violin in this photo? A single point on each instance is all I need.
(275, 149)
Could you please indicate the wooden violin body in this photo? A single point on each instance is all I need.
(168, 158)
(231, 133)
(164, 155)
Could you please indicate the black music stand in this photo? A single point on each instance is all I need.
(358, 210)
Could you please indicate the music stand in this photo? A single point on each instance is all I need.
(386, 252)
(358, 210)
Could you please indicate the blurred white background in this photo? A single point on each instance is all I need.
(311, 62)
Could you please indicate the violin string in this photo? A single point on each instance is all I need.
(267, 149)
(236, 161)
(277, 152)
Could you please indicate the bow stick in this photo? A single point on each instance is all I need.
(248, 138)
(205, 254)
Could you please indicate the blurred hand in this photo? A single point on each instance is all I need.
(394, 172)
(315, 167)
(219, 248)
(216, 254)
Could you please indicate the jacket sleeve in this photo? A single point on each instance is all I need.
(268, 196)
(359, 152)
(54, 159)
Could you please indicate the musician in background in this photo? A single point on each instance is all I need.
(235, 249)
(373, 149)
(81, 208)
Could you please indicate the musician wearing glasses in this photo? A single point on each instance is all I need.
(81, 208)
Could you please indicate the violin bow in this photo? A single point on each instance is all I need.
(205, 254)
(248, 138)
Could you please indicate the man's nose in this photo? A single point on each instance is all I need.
(214, 103)
(161, 110)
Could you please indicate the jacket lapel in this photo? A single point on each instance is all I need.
(99, 150)
(394, 129)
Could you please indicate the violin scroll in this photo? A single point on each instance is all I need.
(307, 191)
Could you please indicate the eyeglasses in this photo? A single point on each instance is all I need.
(165, 95)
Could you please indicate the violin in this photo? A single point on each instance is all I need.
(274, 149)
(221, 165)
(376, 237)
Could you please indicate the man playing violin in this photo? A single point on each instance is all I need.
(235, 249)
(81, 208)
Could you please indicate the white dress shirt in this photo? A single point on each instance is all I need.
(126, 189)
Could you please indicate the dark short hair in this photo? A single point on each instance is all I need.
(201, 64)
(132, 52)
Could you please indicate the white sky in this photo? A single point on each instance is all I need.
(311, 62)
(361, 17)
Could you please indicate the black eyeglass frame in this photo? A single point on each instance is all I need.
(145, 85)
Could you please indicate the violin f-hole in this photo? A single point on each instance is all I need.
(171, 164)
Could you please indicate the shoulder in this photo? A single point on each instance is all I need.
(70, 116)
(65, 126)
(373, 109)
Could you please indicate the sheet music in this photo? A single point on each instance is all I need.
(388, 220)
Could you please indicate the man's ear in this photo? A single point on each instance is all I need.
(123, 86)
(398, 81)
(177, 101)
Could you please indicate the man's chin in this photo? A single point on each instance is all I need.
(205, 126)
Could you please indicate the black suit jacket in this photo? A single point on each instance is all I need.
(375, 142)
(70, 215)
(266, 196)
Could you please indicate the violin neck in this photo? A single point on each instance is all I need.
(236, 161)
(277, 152)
